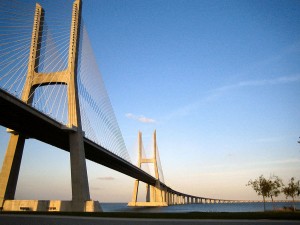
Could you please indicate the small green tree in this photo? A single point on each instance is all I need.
(292, 190)
(275, 187)
(262, 187)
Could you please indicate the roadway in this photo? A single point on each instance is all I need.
(23, 118)
(68, 220)
(18, 116)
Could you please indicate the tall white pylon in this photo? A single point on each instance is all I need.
(12, 161)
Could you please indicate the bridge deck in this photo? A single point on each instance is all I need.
(18, 116)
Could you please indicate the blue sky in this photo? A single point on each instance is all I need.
(218, 80)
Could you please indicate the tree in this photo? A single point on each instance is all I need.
(275, 187)
(292, 190)
(262, 187)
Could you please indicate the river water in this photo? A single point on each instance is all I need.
(226, 207)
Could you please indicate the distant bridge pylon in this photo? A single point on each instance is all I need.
(159, 194)
(155, 195)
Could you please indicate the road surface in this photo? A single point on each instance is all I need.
(68, 220)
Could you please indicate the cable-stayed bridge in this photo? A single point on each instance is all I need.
(51, 90)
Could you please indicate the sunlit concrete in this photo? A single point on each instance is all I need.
(12, 161)
(11, 167)
(48, 205)
(157, 192)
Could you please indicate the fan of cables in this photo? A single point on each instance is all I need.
(16, 24)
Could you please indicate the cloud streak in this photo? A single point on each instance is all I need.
(218, 92)
(106, 178)
(140, 118)
(263, 82)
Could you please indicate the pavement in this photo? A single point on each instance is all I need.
(7, 219)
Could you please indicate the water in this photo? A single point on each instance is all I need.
(226, 207)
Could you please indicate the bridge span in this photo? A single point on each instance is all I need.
(18, 116)
(24, 94)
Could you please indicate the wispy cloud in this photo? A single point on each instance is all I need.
(283, 161)
(96, 188)
(184, 110)
(269, 139)
(263, 82)
(218, 92)
(249, 167)
(140, 118)
(106, 178)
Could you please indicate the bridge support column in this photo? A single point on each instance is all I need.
(11, 167)
(80, 186)
(147, 193)
(169, 198)
(158, 192)
(173, 198)
(165, 196)
(135, 191)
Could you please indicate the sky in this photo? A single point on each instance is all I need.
(218, 80)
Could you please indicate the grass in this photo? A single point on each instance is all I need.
(191, 215)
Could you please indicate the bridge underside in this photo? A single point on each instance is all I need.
(22, 118)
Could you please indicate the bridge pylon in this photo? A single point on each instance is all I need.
(155, 194)
(10, 170)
